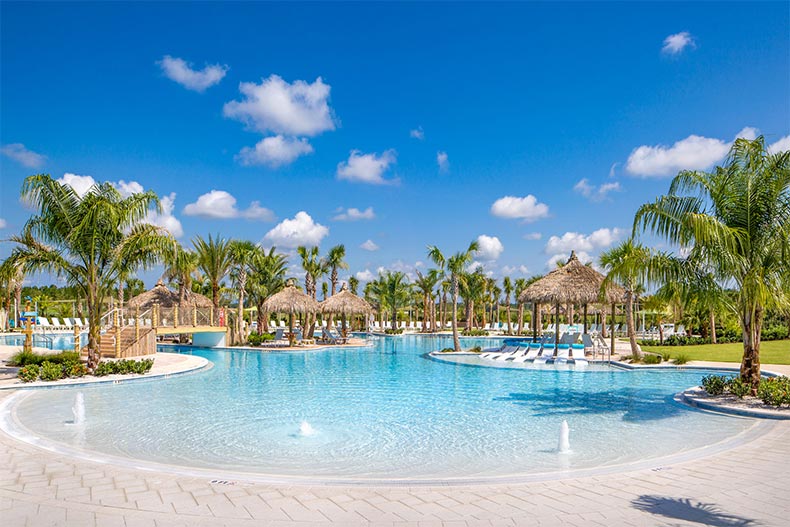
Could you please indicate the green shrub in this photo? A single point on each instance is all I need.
(51, 371)
(681, 358)
(666, 356)
(774, 391)
(24, 358)
(650, 358)
(448, 350)
(74, 369)
(391, 331)
(103, 368)
(28, 373)
(738, 387)
(714, 384)
(476, 349)
(123, 367)
(474, 332)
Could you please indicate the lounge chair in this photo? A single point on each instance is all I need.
(546, 354)
(533, 351)
(504, 352)
(563, 352)
(329, 338)
(577, 354)
(57, 324)
(68, 324)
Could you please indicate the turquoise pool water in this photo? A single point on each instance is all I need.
(384, 411)
(54, 341)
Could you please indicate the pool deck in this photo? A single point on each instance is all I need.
(748, 484)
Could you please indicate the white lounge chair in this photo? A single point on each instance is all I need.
(531, 354)
(563, 353)
(577, 354)
(547, 353)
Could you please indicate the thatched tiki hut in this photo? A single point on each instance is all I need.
(573, 283)
(346, 303)
(161, 297)
(290, 300)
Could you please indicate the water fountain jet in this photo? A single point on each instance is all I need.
(564, 446)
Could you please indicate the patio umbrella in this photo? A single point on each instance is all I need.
(166, 297)
(346, 303)
(574, 283)
(290, 300)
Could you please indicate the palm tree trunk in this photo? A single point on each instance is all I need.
(629, 322)
(443, 309)
(263, 321)
(603, 323)
(509, 327)
(751, 321)
(456, 340)
(520, 317)
(712, 322)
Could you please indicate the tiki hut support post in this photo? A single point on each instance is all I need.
(556, 324)
(534, 321)
(611, 336)
(585, 318)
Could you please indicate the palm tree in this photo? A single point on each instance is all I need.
(507, 287)
(425, 284)
(628, 264)
(214, 260)
(12, 276)
(180, 267)
(353, 284)
(395, 293)
(657, 304)
(267, 277)
(334, 261)
(736, 219)
(314, 268)
(91, 240)
(242, 253)
(495, 293)
(455, 265)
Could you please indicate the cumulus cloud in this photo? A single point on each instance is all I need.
(80, 184)
(512, 269)
(165, 218)
(23, 156)
(219, 204)
(692, 153)
(299, 230)
(560, 247)
(674, 44)
(367, 168)
(527, 208)
(782, 145)
(532, 236)
(274, 151)
(197, 80)
(3, 223)
(294, 109)
(127, 189)
(490, 248)
(583, 257)
(365, 276)
(442, 161)
(354, 214)
(369, 245)
(417, 133)
(594, 193)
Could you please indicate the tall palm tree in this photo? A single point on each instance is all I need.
(214, 260)
(425, 284)
(353, 284)
(395, 293)
(267, 277)
(90, 240)
(495, 293)
(736, 219)
(314, 268)
(519, 285)
(628, 264)
(180, 267)
(335, 259)
(455, 265)
(507, 287)
(242, 253)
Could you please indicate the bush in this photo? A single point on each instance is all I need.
(738, 387)
(666, 356)
(681, 358)
(774, 391)
(650, 358)
(51, 371)
(448, 350)
(474, 333)
(391, 331)
(256, 339)
(74, 369)
(123, 367)
(476, 349)
(24, 358)
(715, 384)
(28, 373)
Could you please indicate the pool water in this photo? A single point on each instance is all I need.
(53, 341)
(385, 411)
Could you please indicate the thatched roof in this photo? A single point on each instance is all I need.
(573, 283)
(291, 300)
(346, 303)
(166, 297)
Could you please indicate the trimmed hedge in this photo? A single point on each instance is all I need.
(774, 391)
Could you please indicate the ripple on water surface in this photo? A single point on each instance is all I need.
(383, 411)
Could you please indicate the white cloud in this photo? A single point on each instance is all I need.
(490, 248)
(80, 184)
(301, 230)
(274, 151)
(512, 269)
(676, 43)
(197, 80)
(583, 257)
(219, 204)
(365, 276)
(165, 219)
(354, 214)
(417, 133)
(256, 212)
(442, 161)
(532, 236)
(3, 223)
(369, 245)
(528, 208)
(296, 109)
(127, 189)
(367, 168)
(612, 169)
(23, 156)
(782, 145)
(594, 193)
(560, 247)
(692, 153)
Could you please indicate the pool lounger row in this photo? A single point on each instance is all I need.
(539, 354)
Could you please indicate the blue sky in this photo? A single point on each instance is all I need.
(388, 127)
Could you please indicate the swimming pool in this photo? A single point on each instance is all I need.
(381, 412)
(53, 341)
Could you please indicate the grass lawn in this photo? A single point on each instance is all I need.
(771, 352)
